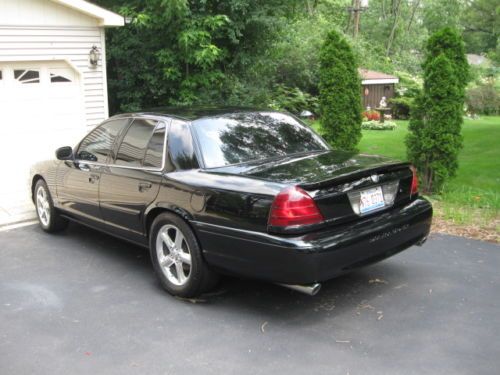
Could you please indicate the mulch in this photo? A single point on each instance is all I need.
(489, 232)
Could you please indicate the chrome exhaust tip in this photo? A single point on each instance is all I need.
(422, 241)
(310, 290)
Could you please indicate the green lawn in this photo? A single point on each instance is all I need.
(479, 160)
(474, 194)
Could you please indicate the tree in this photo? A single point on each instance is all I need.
(435, 140)
(339, 93)
(481, 23)
(438, 14)
(448, 41)
(392, 36)
(179, 52)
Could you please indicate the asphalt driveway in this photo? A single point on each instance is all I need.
(82, 302)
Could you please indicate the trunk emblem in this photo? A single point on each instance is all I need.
(375, 178)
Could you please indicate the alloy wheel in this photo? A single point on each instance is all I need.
(173, 254)
(43, 206)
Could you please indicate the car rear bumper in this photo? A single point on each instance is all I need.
(318, 256)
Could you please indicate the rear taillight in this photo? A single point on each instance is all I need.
(414, 181)
(293, 206)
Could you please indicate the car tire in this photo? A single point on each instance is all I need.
(49, 218)
(177, 258)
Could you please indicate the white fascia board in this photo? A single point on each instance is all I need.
(379, 81)
(106, 18)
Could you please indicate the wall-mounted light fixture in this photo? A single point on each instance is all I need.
(94, 56)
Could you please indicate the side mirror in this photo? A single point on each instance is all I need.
(64, 153)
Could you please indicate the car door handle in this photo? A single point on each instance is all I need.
(143, 186)
(93, 178)
(84, 167)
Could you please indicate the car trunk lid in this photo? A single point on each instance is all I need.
(338, 181)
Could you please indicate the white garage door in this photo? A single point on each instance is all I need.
(40, 109)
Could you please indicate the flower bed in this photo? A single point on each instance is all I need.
(371, 115)
(376, 125)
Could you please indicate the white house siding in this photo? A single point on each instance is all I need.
(71, 44)
(40, 30)
(46, 38)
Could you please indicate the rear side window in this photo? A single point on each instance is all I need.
(154, 152)
(180, 146)
(98, 144)
(133, 147)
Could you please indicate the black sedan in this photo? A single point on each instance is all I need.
(254, 193)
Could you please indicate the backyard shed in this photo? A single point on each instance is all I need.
(375, 85)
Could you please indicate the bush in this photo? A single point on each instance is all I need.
(409, 85)
(293, 100)
(339, 88)
(449, 42)
(401, 107)
(483, 99)
(408, 88)
(435, 137)
(377, 125)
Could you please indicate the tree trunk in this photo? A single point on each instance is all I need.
(394, 26)
(357, 14)
(414, 10)
(309, 7)
(350, 18)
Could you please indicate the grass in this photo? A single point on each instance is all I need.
(472, 198)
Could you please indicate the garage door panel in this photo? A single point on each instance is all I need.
(36, 118)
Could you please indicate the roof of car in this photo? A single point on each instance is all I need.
(194, 113)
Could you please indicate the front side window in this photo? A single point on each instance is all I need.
(27, 76)
(242, 137)
(98, 144)
(180, 146)
(133, 147)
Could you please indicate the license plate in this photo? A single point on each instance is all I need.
(371, 199)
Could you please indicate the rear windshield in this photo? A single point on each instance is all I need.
(243, 137)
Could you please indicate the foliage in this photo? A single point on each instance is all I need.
(408, 88)
(409, 85)
(401, 107)
(436, 119)
(481, 23)
(448, 41)
(293, 100)
(438, 14)
(377, 125)
(483, 99)
(339, 93)
(392, 34)
(238, 52)
(190, 52)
